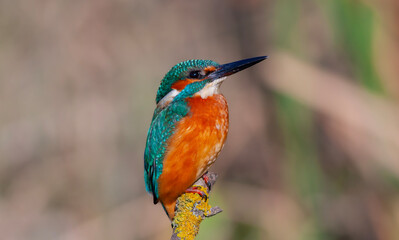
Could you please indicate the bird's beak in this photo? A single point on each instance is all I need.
(234, 67)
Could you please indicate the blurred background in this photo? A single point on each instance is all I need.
(313, 147)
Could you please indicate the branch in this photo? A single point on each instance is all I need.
(191, 209)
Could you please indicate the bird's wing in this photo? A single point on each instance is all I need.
(162, 127)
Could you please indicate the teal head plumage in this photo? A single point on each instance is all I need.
(179, 72)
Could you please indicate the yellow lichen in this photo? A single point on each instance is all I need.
(191, 209)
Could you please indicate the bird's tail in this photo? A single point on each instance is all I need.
(170, 209)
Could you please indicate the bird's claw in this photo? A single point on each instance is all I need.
(195, 189)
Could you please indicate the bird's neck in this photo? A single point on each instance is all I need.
(210, 89)
(211, 105)
(165, 101)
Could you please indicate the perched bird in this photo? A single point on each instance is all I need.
(188, 128)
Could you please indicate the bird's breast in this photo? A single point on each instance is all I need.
(194, 146)
(211, 119)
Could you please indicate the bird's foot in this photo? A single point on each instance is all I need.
(197, 190)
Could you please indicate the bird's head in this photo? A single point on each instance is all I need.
(197, 78)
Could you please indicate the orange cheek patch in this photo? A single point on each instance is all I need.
(210, 69)
(181, 84)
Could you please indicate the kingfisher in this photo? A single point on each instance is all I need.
(188, 128)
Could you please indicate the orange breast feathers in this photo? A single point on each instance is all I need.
(193, 148)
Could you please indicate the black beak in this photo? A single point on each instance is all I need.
(234, 67)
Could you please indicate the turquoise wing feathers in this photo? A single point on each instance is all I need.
(162, 127)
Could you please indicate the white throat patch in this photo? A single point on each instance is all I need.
(210, 88)
(168, 98)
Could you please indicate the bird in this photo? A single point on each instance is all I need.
(188, 128)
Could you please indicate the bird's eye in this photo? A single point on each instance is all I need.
(195, 74)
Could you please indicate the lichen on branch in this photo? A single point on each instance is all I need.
(192, 208)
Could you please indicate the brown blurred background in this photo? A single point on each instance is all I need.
(313, 147)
